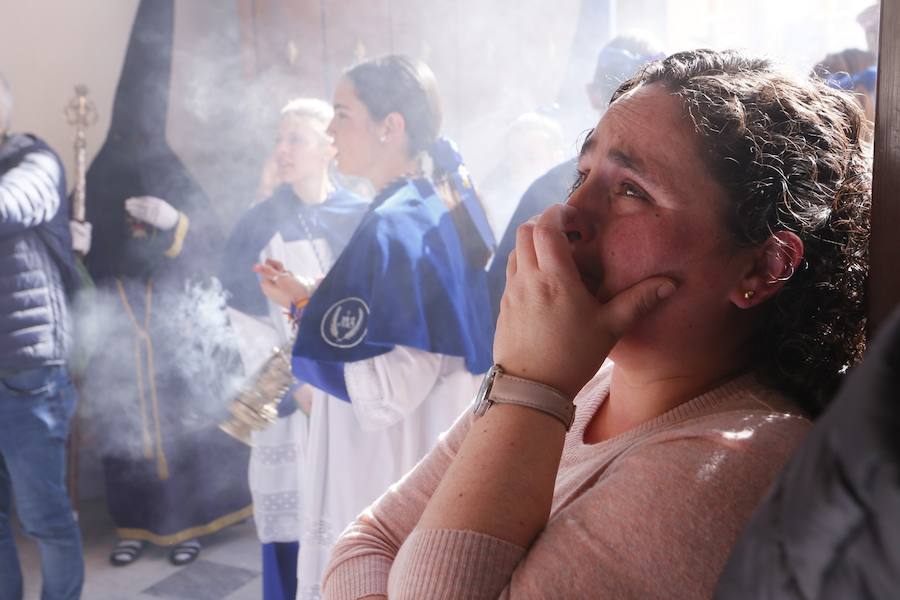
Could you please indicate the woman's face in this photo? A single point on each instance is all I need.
(301, 150)
(355, 133)
(649, 206)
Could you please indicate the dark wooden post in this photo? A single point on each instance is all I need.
(884, 276)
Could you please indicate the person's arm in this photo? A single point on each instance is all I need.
(29, 193)
(501, 482)
(658, 523)
(361, 559)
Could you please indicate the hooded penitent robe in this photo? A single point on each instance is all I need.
(164, 359)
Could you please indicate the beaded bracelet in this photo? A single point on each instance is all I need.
(295, 311)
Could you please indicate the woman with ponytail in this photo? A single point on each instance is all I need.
(395, 337)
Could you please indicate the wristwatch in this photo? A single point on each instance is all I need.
(498, 387)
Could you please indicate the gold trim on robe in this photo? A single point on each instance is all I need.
(186, 534)
(143, 341)
(181, 230)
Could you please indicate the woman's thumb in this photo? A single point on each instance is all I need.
(629, 306)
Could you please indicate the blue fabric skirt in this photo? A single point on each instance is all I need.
(279, 560)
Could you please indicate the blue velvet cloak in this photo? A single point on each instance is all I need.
(404, 279)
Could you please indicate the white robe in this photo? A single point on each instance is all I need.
(310, 476)
(401, 402)
(279, 450)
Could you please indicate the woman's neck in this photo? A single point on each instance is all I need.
(644, 390)
(312, 190)
(393, 169)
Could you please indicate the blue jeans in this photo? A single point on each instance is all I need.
(36, 406)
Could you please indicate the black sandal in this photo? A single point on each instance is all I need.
(185, 553)
(126, 552)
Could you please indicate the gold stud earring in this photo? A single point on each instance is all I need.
(749, 294)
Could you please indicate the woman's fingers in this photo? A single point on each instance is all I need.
(552, 248)
(275, 264)
(265, 271)
(272, 270)
(524, 250)
(511, 264)
(525, 255)
(629, 306)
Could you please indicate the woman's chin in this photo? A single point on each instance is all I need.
(342, 167)
(593, 286)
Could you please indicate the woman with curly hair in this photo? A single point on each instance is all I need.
(715, 250)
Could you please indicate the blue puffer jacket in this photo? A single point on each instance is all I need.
(36, 260)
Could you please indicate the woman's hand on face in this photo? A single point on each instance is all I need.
(551, 328)
(280, 285)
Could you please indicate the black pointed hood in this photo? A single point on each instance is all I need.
(135, 159)
(141, 103)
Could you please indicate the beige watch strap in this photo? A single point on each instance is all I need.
(508, 389)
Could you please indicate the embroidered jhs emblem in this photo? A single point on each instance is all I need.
(345, 324)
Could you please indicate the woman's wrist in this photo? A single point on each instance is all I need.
(295, 310)
(500, 387)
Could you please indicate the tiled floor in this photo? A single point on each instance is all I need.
(228, 568)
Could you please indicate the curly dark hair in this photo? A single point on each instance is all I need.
(789, 153)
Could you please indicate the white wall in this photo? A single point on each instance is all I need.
(49, 46)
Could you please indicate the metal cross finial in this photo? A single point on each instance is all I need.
(80, 112)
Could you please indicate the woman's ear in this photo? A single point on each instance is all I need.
(393, 129)
(774, 262)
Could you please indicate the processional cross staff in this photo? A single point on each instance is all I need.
(80, 112)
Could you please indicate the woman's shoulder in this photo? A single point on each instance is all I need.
(742, 412)
(405, 194)
(742, 415)
(272, 208)
(411, 207)
(733, 448)
(748, 436)
(344, 199)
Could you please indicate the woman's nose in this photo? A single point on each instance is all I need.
(579, 226)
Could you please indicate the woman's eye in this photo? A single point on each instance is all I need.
(631, 191)
(579, 179)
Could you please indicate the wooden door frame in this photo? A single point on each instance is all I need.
(884, 274)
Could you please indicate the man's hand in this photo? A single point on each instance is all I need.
(81, 236)
(153, 211)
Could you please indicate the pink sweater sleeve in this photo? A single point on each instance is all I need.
(659, 523)
(362, 558)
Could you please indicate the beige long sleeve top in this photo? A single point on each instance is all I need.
(651, 513)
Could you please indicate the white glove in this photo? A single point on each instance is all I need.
(153, 211)
(81, 236)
